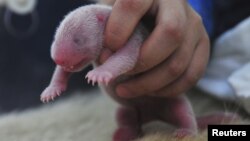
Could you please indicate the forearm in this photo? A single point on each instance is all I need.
(57, 85)
(60, 76)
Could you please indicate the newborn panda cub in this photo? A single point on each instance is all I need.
(78, 43)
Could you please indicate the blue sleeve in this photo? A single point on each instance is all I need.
(205, 9)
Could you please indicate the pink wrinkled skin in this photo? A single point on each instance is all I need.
(78, 43)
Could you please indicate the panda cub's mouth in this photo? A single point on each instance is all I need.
(77, 67)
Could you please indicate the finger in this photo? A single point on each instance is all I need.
(163, 41)
(124, 17)
(163, 74)
(192, 75)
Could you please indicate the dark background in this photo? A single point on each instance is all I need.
(227, 13)
(25, 64)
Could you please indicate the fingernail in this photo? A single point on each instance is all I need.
(122, 91)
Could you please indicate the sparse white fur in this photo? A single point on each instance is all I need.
(78, 41)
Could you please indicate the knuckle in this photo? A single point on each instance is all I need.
(131, 4)
(192, 78)
(141, 66)
(197, 19)
(175, 68)
(206, 40)
(172, 30)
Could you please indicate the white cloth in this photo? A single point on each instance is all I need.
(228, 75)
(240, 81)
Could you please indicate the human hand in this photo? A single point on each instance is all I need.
(172, 58)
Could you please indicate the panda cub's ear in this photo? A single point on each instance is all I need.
(100, 17)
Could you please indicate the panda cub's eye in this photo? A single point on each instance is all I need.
(77, 41)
